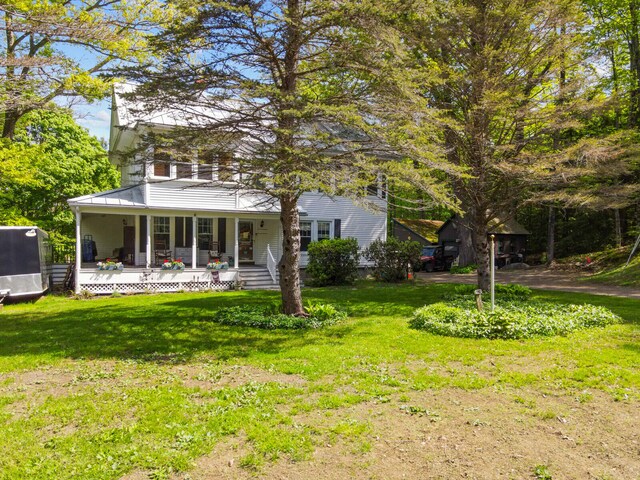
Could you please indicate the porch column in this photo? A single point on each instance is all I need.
(78, 250)
(236, 249)
(194, 242)
(148, 249)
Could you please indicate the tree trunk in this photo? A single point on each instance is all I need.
(551, 235)
(9, 124)
(634, 64)
(289, 265)
(618, 227)
(483, 256)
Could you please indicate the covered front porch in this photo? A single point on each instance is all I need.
(143, 241)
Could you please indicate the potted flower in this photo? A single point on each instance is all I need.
(176, 264)
(110, 264)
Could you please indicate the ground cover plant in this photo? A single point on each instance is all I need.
(138, 387)
(513, 320)
(516, 316)
(269, 316)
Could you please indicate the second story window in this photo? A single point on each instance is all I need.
(225, 167)
(184, 170)
(161, 164)
(205, 166)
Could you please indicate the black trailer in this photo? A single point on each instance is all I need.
(25, 262)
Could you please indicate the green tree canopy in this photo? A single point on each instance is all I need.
(51, 160)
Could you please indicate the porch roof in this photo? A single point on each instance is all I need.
(131, 196)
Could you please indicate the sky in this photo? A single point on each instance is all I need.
(94, 117)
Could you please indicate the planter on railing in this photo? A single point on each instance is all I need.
(110, 265)
(173, 264)
(218, 266)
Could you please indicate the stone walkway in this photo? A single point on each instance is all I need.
(537, 277)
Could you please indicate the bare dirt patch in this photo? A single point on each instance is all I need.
(452, 433)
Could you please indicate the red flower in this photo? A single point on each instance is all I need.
(166, 260)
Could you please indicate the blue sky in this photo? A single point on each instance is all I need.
(94, 117)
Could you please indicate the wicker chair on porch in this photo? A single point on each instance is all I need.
(214, 251)
(161, 252)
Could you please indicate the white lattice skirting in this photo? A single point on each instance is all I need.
(106, 283)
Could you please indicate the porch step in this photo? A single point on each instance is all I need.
(257, 278)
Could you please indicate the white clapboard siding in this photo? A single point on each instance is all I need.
(58, 273)
(174, 195)
(356, 221)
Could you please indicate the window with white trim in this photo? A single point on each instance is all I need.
(161, 164)
(305, 234)
(205, 233)
(314, 231)
(184, 170)
(161, 233)
(324, 230)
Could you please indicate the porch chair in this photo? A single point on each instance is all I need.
(214, 251)
(160, 251)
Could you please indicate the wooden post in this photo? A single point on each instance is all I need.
(478, 294)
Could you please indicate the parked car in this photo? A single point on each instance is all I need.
(433, 258)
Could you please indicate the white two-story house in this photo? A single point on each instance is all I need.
(193, 211)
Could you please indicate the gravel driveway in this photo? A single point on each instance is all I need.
(537, 277)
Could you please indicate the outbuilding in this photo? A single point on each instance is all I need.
(511, 239)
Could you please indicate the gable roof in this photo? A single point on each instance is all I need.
(427, 229)
(497, 226)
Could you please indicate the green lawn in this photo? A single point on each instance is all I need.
(104, 387)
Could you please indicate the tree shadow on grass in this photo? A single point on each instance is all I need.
(173, 330)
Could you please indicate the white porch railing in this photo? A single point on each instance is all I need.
(271, 264)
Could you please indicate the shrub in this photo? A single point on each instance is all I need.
(333, 262)
(468, 269)
(511, 320)
(508, 292)
(391, 258)
(269, 317)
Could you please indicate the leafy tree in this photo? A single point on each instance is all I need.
(284, 79)
(52, 48)
(51, 160)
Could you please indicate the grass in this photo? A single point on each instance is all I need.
(102, 387)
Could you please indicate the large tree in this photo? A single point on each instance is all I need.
(280, 83)
(51, 49)
(498, 67)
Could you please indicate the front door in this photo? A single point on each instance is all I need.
(245, 237)
(129, 244)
